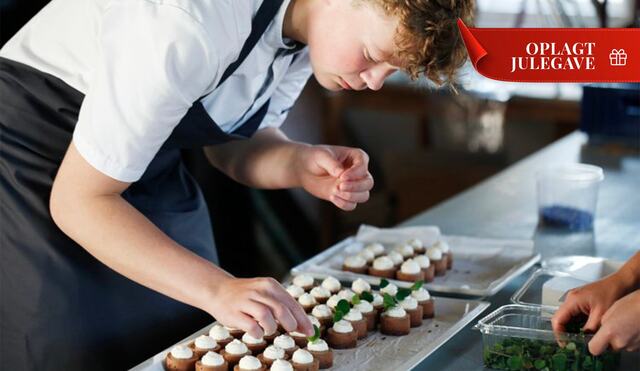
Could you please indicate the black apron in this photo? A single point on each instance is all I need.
(60, 308)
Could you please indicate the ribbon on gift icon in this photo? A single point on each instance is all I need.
(618, 57)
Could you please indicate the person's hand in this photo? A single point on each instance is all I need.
(256, 306)
(592, 300)
(336, 174)
(620, 328)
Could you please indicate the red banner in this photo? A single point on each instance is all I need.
(554, 54)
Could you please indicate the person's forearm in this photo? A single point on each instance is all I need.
(118, 235)
(629, 273)
(265, 161)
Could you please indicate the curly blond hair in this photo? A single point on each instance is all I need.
(427, 37)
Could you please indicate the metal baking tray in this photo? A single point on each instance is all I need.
(481, 266)
(381, 352)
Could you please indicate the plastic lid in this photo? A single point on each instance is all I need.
(581, 173)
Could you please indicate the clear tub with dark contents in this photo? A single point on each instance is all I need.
(520, 337)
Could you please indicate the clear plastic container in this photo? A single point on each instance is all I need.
(520, 337)
(548, 285)
(567, 195)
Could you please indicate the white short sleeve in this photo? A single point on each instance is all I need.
(154, 62)
(288, 91)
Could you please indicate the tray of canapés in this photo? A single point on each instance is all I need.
(357, 328)
(448, 264)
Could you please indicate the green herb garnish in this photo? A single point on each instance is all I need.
(355, 300)
(417, 285)
(528, 354)
(315, 336)
(337, 316)
(343, 306)
(388, 301)
(384, 283)
(402, 293)
(366, 295)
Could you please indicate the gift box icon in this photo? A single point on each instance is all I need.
(618, 57)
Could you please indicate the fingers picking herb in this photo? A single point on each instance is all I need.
(316, 334)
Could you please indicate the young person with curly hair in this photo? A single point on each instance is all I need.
(107, 249)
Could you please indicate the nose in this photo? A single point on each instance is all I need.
(374, 76)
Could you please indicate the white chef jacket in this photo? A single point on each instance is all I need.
(142, 63)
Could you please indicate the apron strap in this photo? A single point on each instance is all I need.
(261, 21)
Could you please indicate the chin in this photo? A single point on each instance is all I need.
(328, 83)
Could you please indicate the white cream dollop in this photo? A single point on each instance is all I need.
(320, 292)
(359, 286)
(423, 261)
(249, 363)
(395, 257)
(346, 294)
(404, 250)
(363, 307)
(415, 243)
(434, 253)
(377, 299)
(321, 311)
(410, 267)
(281, 365)
(332, 284)
(318, 346)
(342, 326)
(218, 332)
(314, 321)
(248, 339)
(307, 299)
(302, 356)
(284, 341)
(273, 352)
(353, 315)
(396, 312)
(367, 255)
(205, 342)
(390, 289)
(383, 263)
(355, 261)
(181, 352)
(409, 303)
(443, 245)
(295, 291)
(421, 295)
(303, 280)
(236, 347)
(333, 301)
(376, 248)
(212, 359)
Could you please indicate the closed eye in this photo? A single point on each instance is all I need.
(368, 57)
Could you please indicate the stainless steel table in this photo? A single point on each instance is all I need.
(504, 206)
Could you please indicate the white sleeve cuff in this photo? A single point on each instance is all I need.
(103, 163)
